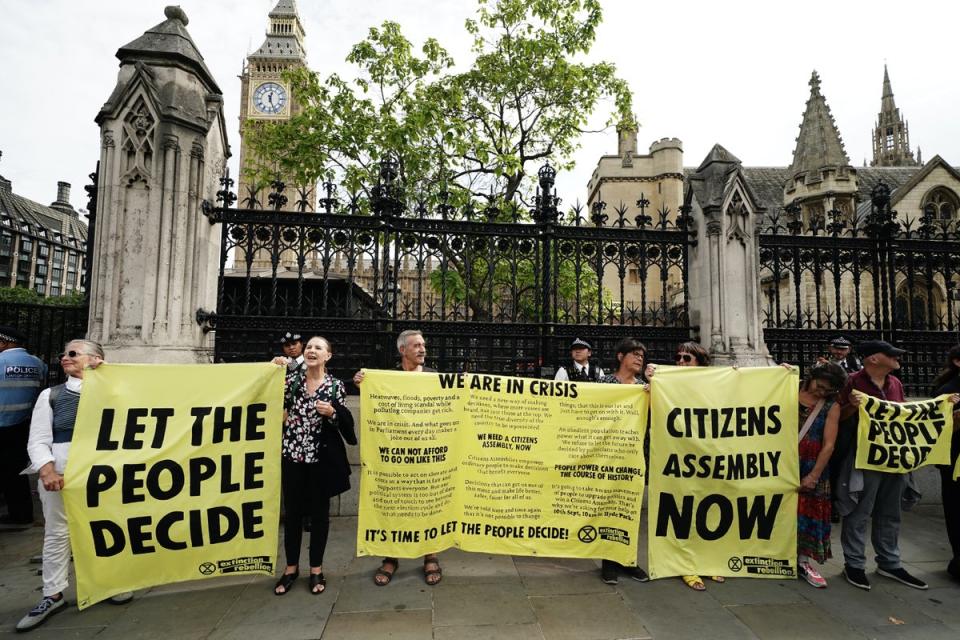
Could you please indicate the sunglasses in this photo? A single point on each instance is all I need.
(70, 354)
(683, 357)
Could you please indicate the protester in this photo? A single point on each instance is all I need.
(292, 345)
(692, 354)
(948, 382)
(819, 415)
(839, 352)
(51, 430)
(580, 368)
(866, 495)
(22, 376)
(314, 464)
(630, 357)
(413, 353)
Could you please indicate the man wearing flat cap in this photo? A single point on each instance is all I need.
(876, 499)
(292, 345)
(579, 369)
(22, 376)
(840, 353)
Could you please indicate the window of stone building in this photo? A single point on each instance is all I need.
(40, 287)
(941, 203)
(5, 270)
(6, 244)
(55, 288)
(58, 257)
(633, 275)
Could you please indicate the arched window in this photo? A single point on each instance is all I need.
(941, 203)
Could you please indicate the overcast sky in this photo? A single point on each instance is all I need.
(733, 72)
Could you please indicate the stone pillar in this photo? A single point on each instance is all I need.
(724, 283)
(163, 149)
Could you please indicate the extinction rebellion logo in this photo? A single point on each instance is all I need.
(237, 565)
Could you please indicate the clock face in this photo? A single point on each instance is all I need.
(270, 98)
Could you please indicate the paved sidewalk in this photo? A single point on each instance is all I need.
(484, 596)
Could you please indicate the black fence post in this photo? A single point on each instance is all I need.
(546, 216)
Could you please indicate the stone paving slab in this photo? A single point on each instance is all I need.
(490, 596)
(792, 622)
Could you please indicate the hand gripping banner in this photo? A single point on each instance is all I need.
(173, 474)
(898, 437)
(500, 465)
(724, 472)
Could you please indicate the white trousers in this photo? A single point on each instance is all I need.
(56, 542)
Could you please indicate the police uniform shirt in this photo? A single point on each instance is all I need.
(22, 376)
(582, 370)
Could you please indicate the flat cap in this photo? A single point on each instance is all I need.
(870, 347)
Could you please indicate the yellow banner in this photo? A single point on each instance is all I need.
(898, 437)
(500, 465)
(724, 472)
(173, 474)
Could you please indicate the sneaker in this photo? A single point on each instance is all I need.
(122, 598)
(608, 572)
(856, 577)
(811, 575)
(637, 574)
(900, 575)
(39, 614)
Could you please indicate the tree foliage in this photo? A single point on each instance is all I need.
(525, 99)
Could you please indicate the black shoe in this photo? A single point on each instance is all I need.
(856, 577)
(953, 568)
(900, 575)
(608, 571)
(637, 574)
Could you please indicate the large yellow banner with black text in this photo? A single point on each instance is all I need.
(500, 465)
(724, 472)
(173, 474)
(898, 437)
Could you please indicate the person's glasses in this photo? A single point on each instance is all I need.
(637, 354)
(683, 357)
(69, 354)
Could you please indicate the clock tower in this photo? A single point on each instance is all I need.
(265, 96)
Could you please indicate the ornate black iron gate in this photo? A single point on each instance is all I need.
(501, 291)
(866, 277)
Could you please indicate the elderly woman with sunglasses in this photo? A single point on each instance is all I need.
(51, 430)
(692, 354)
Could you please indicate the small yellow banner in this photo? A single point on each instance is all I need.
(724, 472)
(898, 437)
(500, 465)
(173, 474)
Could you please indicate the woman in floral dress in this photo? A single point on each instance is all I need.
(314, 464)
(819, 414)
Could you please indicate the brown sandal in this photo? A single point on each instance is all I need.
(383, 577)
(432, 576)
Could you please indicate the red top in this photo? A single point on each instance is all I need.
(892, 388)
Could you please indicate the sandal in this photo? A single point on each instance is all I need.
(432, 576)
(317, 580)
(694, 582)
(383, 577)
(285, 582)
(718, 578)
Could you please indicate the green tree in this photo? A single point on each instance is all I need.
(525, 99)
(477, 134)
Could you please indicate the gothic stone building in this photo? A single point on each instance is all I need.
(41, 247)
(819, 184)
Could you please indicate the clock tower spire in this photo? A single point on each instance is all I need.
(265, 96)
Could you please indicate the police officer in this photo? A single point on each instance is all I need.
(840, 353)
(579, 368)
(292, 345)
(22, 376)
